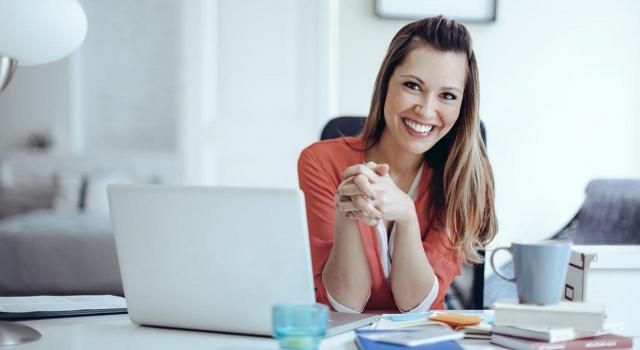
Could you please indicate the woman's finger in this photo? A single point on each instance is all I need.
(358, 169)
(381, 169)
(371, 165)
(366, 206)
(365, 218)
(352, 190)
(347, 205)
(365, 186)
(346, 182)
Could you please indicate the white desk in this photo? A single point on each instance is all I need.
(117, 332)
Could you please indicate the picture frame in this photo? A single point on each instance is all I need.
(459, 10)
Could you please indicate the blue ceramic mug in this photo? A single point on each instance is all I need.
(540, 269)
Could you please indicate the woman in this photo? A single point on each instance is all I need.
(394, 212)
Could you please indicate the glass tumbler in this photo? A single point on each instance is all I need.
(300, 326)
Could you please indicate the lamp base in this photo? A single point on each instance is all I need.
(16, 333)
(7, 67)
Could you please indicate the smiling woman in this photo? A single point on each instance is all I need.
(415, 189)
(423, 99)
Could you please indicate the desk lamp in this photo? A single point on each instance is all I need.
(35, 32)
(38, 31)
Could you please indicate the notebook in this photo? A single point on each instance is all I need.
(364, 343)
(48, 306)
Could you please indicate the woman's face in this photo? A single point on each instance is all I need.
(424, 98)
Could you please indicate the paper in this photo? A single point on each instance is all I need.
(420, 320)
(457, 320)
(486, 317)
(387, 324)
(407, 316)
(48, 303)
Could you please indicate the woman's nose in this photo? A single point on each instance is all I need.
(427, 109)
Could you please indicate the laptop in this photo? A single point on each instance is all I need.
(213, 258)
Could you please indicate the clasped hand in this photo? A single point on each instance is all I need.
(367, 193)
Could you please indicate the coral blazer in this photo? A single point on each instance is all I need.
(319, 169)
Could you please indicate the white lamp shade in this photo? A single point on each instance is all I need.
(40, 31)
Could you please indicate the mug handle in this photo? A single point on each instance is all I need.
(493, 255)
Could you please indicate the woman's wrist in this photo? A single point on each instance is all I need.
(410, 216)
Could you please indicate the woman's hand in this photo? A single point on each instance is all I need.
(368, 193)
(356, 203)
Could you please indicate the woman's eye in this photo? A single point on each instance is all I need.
(448, 96)
(413, 86)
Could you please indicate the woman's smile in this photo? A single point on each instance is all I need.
(417, 129)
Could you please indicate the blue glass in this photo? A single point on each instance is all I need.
(300, 326)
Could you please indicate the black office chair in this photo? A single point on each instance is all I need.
(342, 126)
(467, 290)
(610, 214)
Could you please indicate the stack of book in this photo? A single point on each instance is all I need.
(424, 331)
(567, 325)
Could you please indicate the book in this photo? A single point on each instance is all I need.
(365, 343)
(580, 316)
(414, 338)
(608, 341)
(482, 330)
(553, 335)
(47, 306)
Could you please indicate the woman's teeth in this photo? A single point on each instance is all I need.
(418, 127)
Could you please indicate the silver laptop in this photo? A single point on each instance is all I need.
(214, 259)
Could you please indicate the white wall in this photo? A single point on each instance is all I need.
(117, 93)
(36, 100)
(560, 89)
(128, 70)
(269, 94)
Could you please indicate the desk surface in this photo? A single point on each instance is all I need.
(117, 332)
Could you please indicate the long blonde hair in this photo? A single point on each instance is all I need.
(462, 187)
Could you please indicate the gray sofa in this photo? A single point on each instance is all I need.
(56, 236)
(49, 253)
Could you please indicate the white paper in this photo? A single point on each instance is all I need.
(49, 303)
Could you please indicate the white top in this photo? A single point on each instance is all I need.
(385, 247)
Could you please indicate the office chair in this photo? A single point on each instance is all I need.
(467, 290)
(610, 214)
(342, 126)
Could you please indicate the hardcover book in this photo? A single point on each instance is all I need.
(608, 341)
(364, 343)
(581, 316)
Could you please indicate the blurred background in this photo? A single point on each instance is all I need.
(229, 92)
